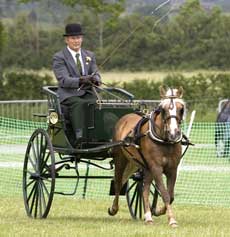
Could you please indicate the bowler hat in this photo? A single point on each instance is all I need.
(73, 29)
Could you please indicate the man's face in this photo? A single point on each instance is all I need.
(74, 42)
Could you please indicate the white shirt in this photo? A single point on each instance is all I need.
(73, 53)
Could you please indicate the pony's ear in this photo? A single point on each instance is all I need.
(162, 91)
(180, 92)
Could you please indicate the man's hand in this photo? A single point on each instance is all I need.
(85, 80)
(95, 81)
(89, 80)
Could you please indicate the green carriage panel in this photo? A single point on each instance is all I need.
(58, 135)
(103, 119)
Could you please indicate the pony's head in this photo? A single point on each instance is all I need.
(172, 111)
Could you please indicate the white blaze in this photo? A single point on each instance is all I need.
(173, 122)
(170, 103)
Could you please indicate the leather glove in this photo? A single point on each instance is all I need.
(95, 81)
(85, 80)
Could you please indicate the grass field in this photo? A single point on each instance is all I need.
(204, 181)
(81, 218)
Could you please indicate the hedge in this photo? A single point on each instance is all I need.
(22, 86)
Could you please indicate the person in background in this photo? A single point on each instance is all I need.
(77, 73)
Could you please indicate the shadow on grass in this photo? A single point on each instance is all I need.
(95, 219)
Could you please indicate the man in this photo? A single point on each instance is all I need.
(76, 71)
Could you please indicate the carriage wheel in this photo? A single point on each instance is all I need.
(39, 175)
(134, 196)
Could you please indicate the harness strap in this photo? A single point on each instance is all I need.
(137, 135)
(154, 136)
(136, 160)
(137, 130)
(143, 158)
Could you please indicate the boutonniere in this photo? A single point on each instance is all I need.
(88, 60)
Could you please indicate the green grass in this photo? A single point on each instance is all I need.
(81, 218)
(76, 217)
(208, 185)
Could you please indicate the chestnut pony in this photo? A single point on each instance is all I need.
(158, 152)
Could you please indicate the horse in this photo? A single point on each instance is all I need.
(222, 134)
(156, 149)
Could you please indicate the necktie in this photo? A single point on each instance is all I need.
(78, 62)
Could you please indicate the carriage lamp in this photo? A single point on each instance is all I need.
(53, 117)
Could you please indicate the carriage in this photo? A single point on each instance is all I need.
(51, 151)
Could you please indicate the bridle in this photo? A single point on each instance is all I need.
(165, 119)
(153, 134)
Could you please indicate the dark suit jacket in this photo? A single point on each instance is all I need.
(67, 74)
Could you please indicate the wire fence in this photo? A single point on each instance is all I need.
(204, 175)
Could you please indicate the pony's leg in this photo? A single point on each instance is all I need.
(166, 199)
(171, 180)
(159, 184)
(120, 165)
(146, 190)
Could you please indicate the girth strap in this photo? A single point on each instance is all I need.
(137, 130)
(137, 135)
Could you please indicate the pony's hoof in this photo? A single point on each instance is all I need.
(159, 212)
(173, 224)
(111, 212)
(149, 222)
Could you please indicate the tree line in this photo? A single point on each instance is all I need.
(194, 38)
(201, 92)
